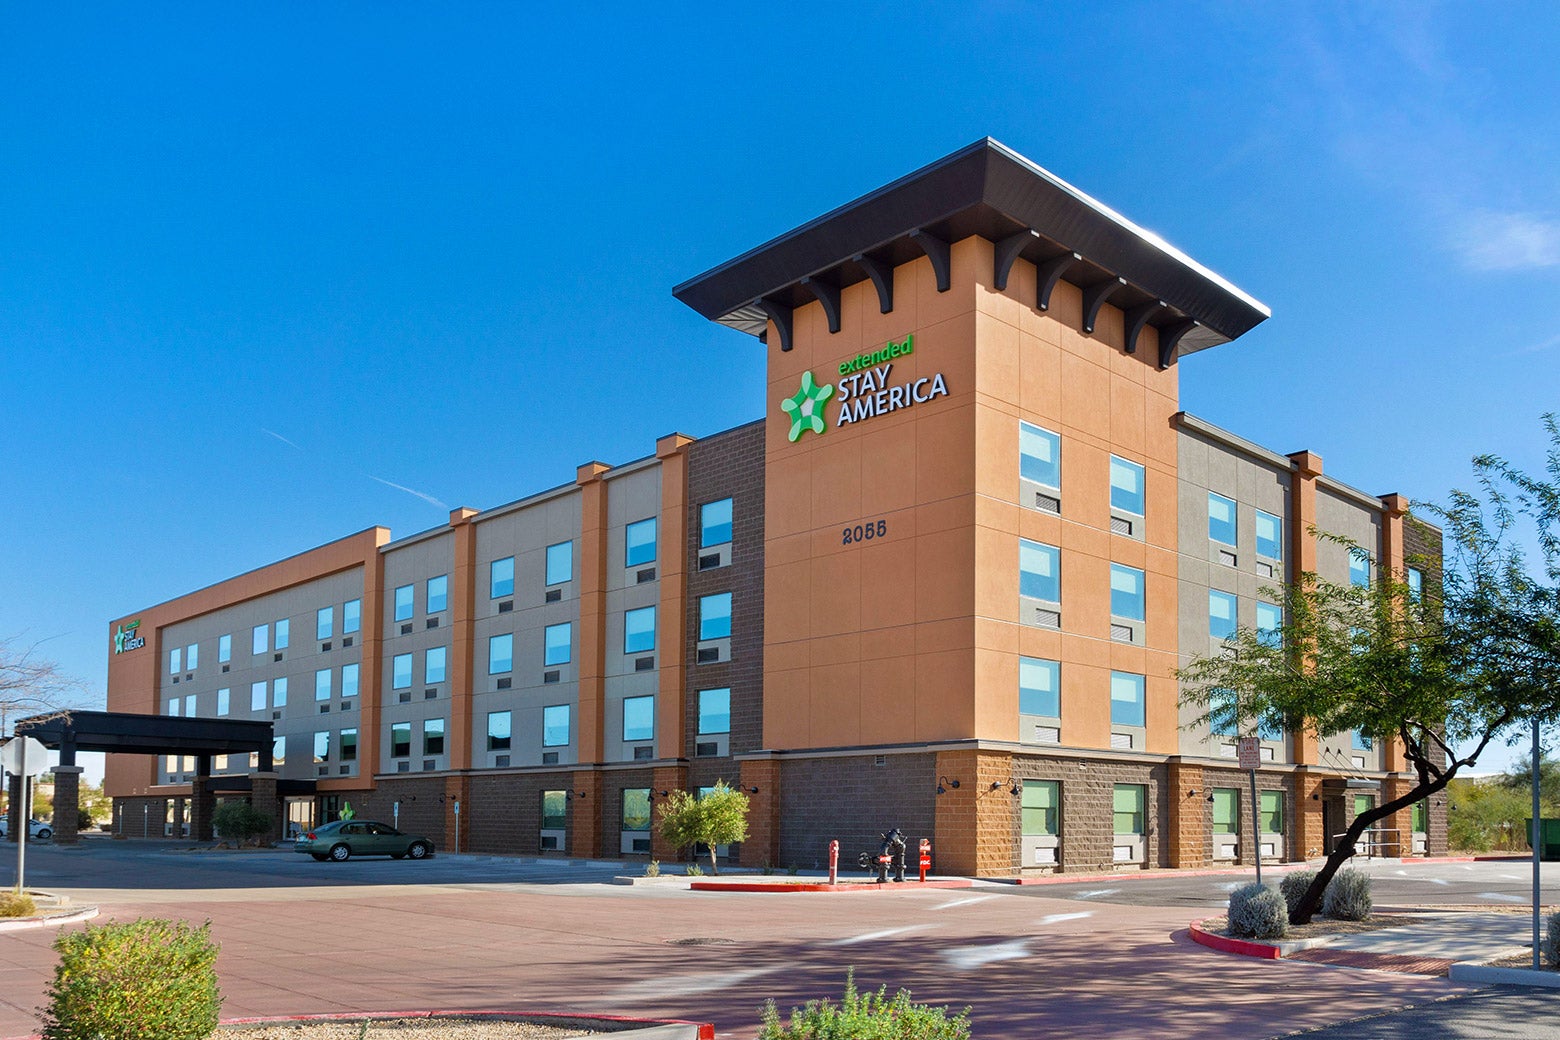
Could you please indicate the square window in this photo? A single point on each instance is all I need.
(1270, 624)
(555, 725)
(257, 696)
(555, 810)
(639, 543)
(638, 718)
(401, 672)
(1039, 455)
(501, 654)
(1039, 571)
(435, 661)
(1040, 808)
(189, 706)
(1270, 536)
(400, 739)
(192, 657)
(1222, 616)
(175, 660)
(715, 616)
(1222, 714)
(279, 692)
(283, 634)
(1126, 486)
(1039, 687)
(1126, 592)
(438, 594)
(499, 730)
(1126, 699)
(260, 639)
(1221, 519)
(560, 563)
(322, 684)
(224, 697)
(1363, 743)
(1128, 801)
(1359, 568)
(403, 603)
(321, 747)
(224, 649)
(349, 680)
(349, 745)
(639, 630)
(1226, 810)
(433, 736)
(324, 623)
(501, 578)
(715, 523)
(557, 644)
(636, 809)
(714, 711)
(351, 616)
(1270, 808)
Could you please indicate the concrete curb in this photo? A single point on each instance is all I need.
(1487, 975)
(1140, 875)
(59, 917)
(824, 886)
(630, 1028)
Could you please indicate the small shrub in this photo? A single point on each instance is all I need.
(148, 978)
(767, 869)
(792, 869)
(865, 1016)
(1348, 896)
(1258, 912)
(17, 904)
(1552, 941)
(240, 821)
(83, 820)
(653, 868)
(694, 870)
(1294, 885)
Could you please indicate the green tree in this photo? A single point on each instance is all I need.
(1520, 780)
(717, 818)
(240, 821)
(1485, 813)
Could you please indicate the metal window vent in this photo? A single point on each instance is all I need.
(406, 698)
(429, 695)
(708, 561)
(276, 657)
(644, 664)
(1048, 735)
(175, 682)
(346, 705)
(500, 761)
(1121, 741)
(1228, 558)
(225, 667)
(1267, 754)
(1048, 618)
(275, 715)
(706, 749)
(1121, 633)
(641, 844)
(1265, 569)
(641, 753)
(346, 641)
(1359, 762)
(1047, 503)
(506, 606)
(344, 770)
(432, 622)
(503, 684)
(324, 770)
(1118, 525)
(325, 647)
(648, 574)
(428, 764)
(190, 677)
(549, 843)
(552, 676)
(549, 758)
(403, 767)
(709, 654)
(406, 629)
(880, 760)
(553, 596)
(1226, 750)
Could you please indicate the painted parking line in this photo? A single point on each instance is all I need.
(1059, 918)
(961, 902)
(852, 940)
(1097, 893)
(968, 958)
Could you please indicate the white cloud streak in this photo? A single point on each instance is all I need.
(1494, 241)
(410, 491)
(284, 440)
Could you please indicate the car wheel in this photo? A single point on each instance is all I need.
(340, 853)
(418, 851)
(45, 834)
(319, 857)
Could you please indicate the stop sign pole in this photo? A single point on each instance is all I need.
(14, 756)
(1249, 753)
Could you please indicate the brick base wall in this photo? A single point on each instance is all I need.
(854, 801)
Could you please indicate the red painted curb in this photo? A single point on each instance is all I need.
(822, 886)
(1224, 944)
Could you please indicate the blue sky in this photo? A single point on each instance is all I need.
(270, 275)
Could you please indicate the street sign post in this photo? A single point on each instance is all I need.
(24, 757)
(1248, 753)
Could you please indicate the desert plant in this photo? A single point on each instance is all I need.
(17, 904)
(1294, 887)
(1258, 912)
(694, 870)
(1552, 941)
(1348, 896)
(240, 821)
(147, 978)
(653, 868)
(865, 1016)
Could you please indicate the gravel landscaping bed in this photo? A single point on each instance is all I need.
(407, 1029)
(1322, 926)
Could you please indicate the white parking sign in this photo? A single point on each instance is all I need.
(12, 753)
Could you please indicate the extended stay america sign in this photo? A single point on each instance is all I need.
(866, 389)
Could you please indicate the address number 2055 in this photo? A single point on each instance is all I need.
(864, 532)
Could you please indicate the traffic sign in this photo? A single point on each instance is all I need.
(1249, 751)
(36, 755)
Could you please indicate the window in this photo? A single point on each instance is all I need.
(639, 543)
(501, 654)
(1126, 486)
(1270, 623)
(1416, 584)
(401, 672)
(715, 616)
(224, 697)
(555, 725)
(715, 523)
(1126, 699)
(224, 649)
(1267, 730)
(1223, 720)
(260, 639)
(1226, 810)
(283, 634)
(325, 622)
(257, 696)
(189, 705)
(433, 736)
(714, 711)
(351, 616)
(555, 810)
(1039, 687)
(1270, 809)
(1364, 803)
(1419, 815)
(400, 739)
(1359, 568)
(557, 644)
(1270, 536)
(1040, 805)
(191, 657)
(499, 730)
(1221, 519)
(173, 707)
(322, 684)
(438, 594)
(639, 630)
(1039, 455)
(321, 747)
(349, 745)
(501, 578)
(639, 718)
(278, 752)
(435, 662)
(1128, 801)
(175, 660)
(349, 680)
(1221, 615)
(636, 809)
(1039, 571)
(560, 563)
(1362, 742)
(1126, 592)
(403, 603)
(279, 693)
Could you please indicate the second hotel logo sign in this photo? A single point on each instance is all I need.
(864, 391)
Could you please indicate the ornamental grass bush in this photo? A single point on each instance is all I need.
(1348, 896)
(136, 981)
(865, 1016)
(1258, 912)
(1294, 887)
(1552, 942)
(17, 904)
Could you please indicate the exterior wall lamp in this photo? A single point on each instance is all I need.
(941, 780)
(1011, 783)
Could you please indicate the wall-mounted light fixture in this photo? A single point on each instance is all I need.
(1191, 792)
(942, 780)
(1011, 783)
(1210, 796)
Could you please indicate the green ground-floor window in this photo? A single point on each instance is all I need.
(1128, 801)
(555, 810)
(1041, 807)
(1420, 816)
(1363, 803)
(636, 809)
(1226, 810)
(1271, 809)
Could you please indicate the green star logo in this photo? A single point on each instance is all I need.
(806, 408)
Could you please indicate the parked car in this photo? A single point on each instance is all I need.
(36, 829)
(343, 839)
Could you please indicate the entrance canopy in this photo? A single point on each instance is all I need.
(127, 733)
